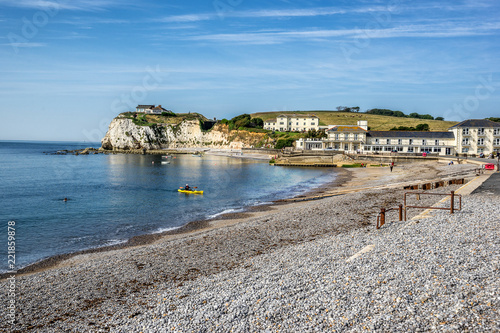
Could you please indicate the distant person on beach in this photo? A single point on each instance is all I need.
(392, 165)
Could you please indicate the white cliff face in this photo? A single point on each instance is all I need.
(124, 134)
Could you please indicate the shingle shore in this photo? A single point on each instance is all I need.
(288, 269)
(440, 273)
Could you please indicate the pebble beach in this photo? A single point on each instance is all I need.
(309, 266)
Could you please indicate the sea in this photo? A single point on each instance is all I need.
(111, 198)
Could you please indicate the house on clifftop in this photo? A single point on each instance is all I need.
(143, 108)
(151, 109)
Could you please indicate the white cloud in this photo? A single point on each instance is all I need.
(188, 18)
(436, 31)
(55, 5)
(27, 44)
(276, 13)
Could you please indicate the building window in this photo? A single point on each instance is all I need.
(496, 131)
(424, 142)
(356, 137)
(480, 142)
(496, 142)
(282, 123)
(346, 146)
(346, 137)
(388, 141)
(410, 149)
(465, 141)
(336, 136)
(465, 131)
(400, 142)
(436, 142)
(465, 150)
(297, 124)
(376, 140)
(480, 131)
(411, 142)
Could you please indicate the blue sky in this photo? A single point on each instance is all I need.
(69, 67)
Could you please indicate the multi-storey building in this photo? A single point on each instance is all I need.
(471, 137)
(293, 123)
(476, 136)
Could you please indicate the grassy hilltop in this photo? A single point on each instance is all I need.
(375, 122)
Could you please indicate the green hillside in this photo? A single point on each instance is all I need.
(375, 122)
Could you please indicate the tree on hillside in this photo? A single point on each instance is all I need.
(257, 122)
(420, 116)
(439, 118)
(282, 143)
(494, 119)
(347, 108)
(313, 134)
(419, 127)
(241, 120)
(422, 127)
(386, 112)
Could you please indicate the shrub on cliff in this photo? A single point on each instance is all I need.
(282, 143)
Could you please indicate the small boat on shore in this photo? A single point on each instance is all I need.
(196, 155)
(165, 162)
(190, 191)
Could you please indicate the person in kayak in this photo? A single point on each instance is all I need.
(187, 188)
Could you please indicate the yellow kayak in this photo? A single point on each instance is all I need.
(190, 192)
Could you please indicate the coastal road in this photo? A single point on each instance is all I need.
(490, 186)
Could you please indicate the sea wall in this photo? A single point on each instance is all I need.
(125, 135)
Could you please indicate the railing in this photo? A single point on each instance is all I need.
(381, 215)
(402, 209)
(452, 202)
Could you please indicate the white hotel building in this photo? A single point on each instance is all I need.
(294, 123)
(470, 137)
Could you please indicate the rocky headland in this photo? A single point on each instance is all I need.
(126, 133)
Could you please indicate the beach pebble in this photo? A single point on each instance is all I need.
(287, 271)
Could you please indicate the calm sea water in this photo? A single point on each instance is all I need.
(115, 197)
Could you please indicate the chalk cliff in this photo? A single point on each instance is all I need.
(123, 133)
